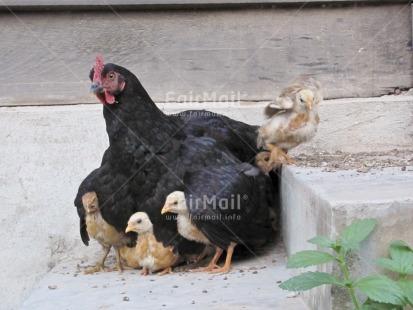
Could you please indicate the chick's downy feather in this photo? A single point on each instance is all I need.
(151, 254)
(101, 231)
(293, 116)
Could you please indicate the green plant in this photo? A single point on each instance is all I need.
(381, 291)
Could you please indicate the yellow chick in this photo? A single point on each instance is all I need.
(151, 254)
(101, 231)
(130, 257)
(176, 203)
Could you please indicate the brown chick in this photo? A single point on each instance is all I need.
(151, 254)
(293, 116)
(101, 231)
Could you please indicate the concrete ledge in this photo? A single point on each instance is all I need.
(322, 203)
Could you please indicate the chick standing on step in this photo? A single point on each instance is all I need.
(151, 254)
(104, 233)
(293, 118)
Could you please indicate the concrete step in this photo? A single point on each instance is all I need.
(359, 165)
(318, 202)
(251, 284)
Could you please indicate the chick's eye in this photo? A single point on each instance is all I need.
(266, 158)
(301, 99)
(175, 203)
(139, 221)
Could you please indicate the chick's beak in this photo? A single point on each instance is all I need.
(166, 208)
(96, 87)
(309, 104)
(129, 228)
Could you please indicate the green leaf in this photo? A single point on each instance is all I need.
(402, 255)
(352, 235)
(308, 280)
(308, 258)
(379, 306)
(407, 288)
(389, 264)
(402, 258)
(322, 241)
(381, 289)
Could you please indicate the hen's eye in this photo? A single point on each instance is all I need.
(266, 158)
(111, 75)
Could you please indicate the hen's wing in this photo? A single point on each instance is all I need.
(238, 137)
(230, 204)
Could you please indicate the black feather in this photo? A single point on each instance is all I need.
(228, 204)
(150, 153)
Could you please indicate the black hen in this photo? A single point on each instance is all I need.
(150, 152)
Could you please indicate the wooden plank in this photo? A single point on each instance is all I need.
(34, 3)
(207, 55)
(128, 5)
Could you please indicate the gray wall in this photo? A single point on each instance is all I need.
(246, 53)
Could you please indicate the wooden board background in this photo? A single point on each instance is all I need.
(162, 3)
(356, 51)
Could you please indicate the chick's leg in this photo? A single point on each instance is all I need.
(227, 266)
(165, 271)
(145, 271)
(212, 264)
(290, 161)
(204, 253)
(100, 266)
(279, 156)
(119, 264)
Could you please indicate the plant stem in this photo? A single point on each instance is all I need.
(342, 261)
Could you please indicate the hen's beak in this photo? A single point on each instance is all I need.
(309, 104)
(166, 209)
(96, 87)
(128, 229)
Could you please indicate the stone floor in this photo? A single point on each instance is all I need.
(251, 284)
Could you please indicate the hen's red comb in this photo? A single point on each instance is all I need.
(98, 67)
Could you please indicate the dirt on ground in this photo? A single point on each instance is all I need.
(362, 162)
